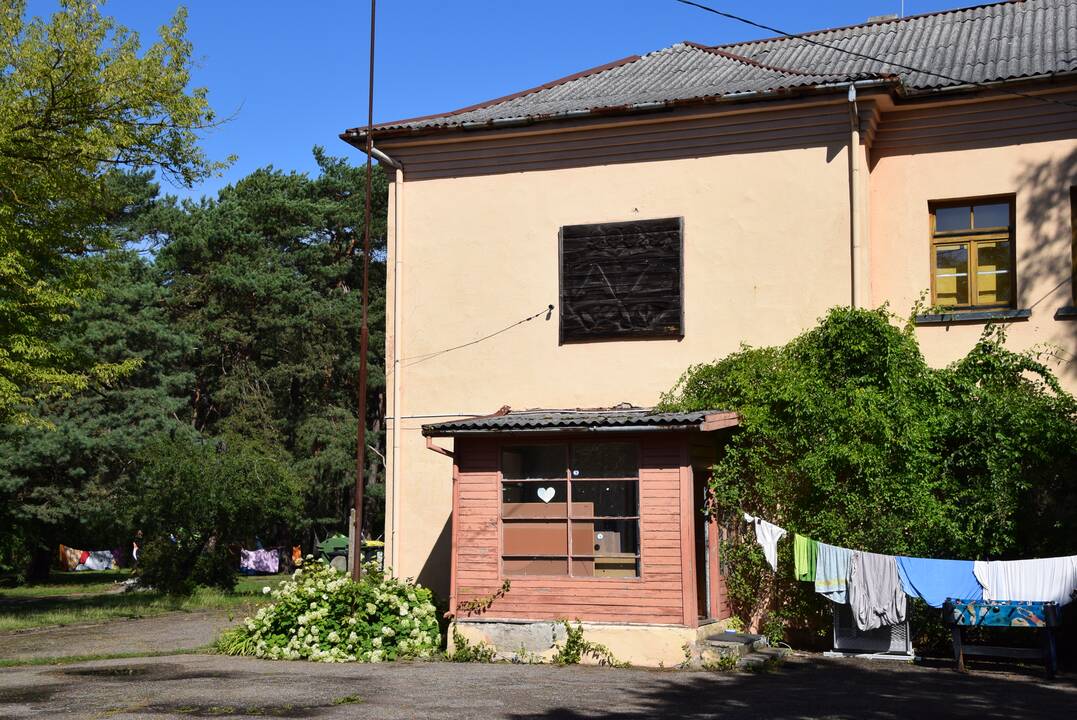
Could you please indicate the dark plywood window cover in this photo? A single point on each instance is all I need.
(622, 280)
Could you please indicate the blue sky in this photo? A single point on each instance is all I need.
(294, 72)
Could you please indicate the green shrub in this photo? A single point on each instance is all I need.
(722, 663)
(193, 499)
(848, 436)
(576, 647)
(463, 651)
(325, 616)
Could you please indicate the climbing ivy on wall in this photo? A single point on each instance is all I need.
(849, 437)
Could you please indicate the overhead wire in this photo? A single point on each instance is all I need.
(415, 360)
(865, 56)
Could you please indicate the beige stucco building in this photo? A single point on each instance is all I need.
(803, 178)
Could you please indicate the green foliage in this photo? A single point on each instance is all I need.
(58, 476)
(481, 604)
(265, 280)
(849, 437)
(723, 663)
(245, 323)
(576, 647)
(79, 99)
(463, 651)
(324, 616)
(194, 498)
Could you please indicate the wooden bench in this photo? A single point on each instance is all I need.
(1040, 616)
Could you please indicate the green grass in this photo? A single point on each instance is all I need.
(68, 583)
(29, 610)
(69, 659)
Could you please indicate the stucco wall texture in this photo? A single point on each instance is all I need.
(766, 253)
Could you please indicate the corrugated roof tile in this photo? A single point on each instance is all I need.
(537, 420)
(987, 43)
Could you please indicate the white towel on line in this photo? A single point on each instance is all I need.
(767, 535)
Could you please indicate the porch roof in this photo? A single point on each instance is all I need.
(591, 420)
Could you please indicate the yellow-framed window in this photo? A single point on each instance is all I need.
(973, 263)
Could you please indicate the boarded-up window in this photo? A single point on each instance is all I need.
(622, 280)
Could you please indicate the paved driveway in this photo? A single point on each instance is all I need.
(211, 686)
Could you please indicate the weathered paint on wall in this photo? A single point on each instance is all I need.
(766, 245)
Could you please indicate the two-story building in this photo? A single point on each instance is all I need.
(579, 244)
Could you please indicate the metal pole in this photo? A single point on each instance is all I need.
(364, 333)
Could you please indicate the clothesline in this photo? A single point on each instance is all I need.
(875, 585)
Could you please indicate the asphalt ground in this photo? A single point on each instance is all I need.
(186, 686)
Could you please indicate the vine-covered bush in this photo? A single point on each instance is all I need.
(325, 616)
(848, 436)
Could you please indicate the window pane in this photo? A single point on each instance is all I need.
(614, 545)
(533, 499)
(994, 278)
(951, 274)
(952, 218)
(606, 538)
(536, 566)
(605, 567)
(533, 462)
(535, 538)
(994, 215)
(592, 498)
(601, 460)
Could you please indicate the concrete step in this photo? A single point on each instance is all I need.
(737, 643)
(760, 657)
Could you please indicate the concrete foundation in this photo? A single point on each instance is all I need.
(640, 645)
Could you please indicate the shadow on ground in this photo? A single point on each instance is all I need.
(839, 689)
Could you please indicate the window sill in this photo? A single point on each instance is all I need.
(1069, 312)
(972, 316)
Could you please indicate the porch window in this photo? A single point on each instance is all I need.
(621, 280)
(972, 250)
(570, 509)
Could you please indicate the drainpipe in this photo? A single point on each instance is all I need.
(855, 249)
(391, 481)
(398, 233)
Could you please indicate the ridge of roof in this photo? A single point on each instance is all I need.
(866, 24)
(995, 42)
(717, 50)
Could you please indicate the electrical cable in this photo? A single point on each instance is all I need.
(547, 311)
(864, 56)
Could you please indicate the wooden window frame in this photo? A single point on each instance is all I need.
(568, 518)
(973, 237)
(615, 337)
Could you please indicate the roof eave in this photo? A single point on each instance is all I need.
(357, 136)
(709, 423)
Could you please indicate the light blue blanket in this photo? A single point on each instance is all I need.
(935, 580)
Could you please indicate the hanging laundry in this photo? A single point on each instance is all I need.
(1043, 580)
(935, 580)
(767, 535)
(876, 596)
(832, 571)
(253, 562)
(805, 552)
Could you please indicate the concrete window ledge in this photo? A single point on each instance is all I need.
(1069, 312)
(972, 316)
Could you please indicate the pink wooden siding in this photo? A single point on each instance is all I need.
(665, 592)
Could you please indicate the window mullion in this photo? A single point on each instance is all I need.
(974, 271)
(568, 505)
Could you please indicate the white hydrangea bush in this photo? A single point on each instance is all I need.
(325, 616)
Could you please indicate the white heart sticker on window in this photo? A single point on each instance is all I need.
(546, 494)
